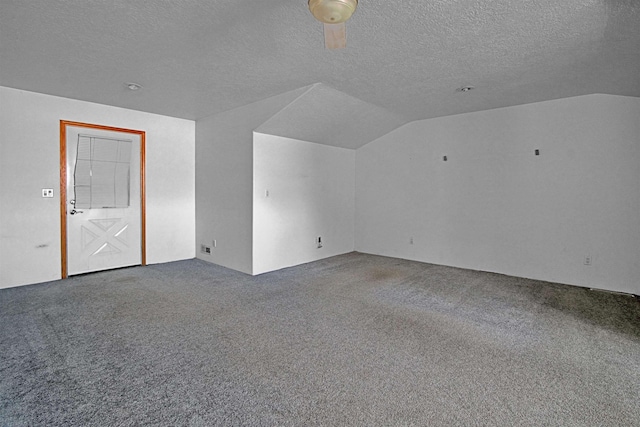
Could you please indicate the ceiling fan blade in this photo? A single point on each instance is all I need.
(335, 36)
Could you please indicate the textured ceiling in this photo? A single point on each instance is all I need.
(200, 57)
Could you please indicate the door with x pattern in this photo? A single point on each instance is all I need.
(103, 212)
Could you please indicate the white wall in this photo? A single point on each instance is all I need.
(310, 193)
(495, 206)
(224, 180)
(29, 161)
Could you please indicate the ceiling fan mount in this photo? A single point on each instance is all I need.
(333, 14)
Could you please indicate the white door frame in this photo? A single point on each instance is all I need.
(63, 187)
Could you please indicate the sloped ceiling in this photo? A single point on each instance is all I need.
(327, 116)
(196, 58)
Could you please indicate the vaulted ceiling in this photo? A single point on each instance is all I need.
(404, 59)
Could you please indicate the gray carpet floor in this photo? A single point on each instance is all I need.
(350, 340)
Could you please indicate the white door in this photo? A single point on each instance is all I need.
(103, 199)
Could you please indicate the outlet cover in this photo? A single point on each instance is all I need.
(47, 192)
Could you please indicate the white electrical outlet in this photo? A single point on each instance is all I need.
(588, 260)
(411, 241)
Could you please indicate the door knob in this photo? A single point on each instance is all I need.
(73, 212)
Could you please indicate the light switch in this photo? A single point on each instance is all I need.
(47, 192)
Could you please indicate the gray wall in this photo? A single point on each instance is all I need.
(224, 180)
(30, 160)
(311, 193)
(495, 206)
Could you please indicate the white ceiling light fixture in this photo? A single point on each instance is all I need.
(333, 14)
(465, 89)
(133, 86)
